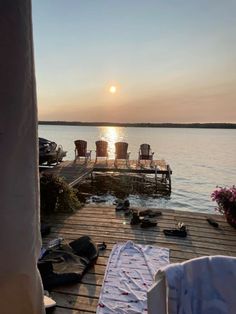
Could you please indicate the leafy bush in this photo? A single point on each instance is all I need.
(57, 195)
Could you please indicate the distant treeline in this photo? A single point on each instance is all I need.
(146, 125)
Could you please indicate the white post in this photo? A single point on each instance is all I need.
(20, 283)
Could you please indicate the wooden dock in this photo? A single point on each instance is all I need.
(72, 172)
(105, 224)
(75, 172)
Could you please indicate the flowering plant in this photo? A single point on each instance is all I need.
(226, 200)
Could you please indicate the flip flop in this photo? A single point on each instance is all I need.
(212, 222)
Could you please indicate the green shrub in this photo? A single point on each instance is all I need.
(57, 195)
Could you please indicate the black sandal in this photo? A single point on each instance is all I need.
(180, 232)
(146, 223)
(212, 222)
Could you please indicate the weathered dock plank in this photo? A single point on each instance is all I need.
(105, 224)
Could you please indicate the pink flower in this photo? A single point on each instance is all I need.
(225, 199)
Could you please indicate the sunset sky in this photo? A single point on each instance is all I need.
(136, 60)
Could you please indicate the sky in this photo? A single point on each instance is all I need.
(169, 61)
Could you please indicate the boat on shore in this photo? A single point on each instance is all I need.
(50, 152)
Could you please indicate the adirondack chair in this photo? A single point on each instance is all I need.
(121, 153)
(145, 153)
(101, 150)
(81, 150)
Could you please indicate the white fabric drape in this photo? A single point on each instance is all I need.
(204, 285)
(20, 283)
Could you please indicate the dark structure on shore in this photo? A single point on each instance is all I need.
(145, 125)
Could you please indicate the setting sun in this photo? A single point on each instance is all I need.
(112, 89)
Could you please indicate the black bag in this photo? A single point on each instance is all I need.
(86, 248)
(67, 263)
(52, 279)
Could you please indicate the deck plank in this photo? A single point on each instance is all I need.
(105, 224)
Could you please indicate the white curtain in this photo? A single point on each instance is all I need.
(20, 284)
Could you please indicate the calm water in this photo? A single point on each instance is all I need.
(200, 158)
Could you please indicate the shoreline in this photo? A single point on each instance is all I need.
(144, 125)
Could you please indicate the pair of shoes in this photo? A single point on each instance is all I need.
(123, 205)
(146, 223)
(181, 231)
(150, 213)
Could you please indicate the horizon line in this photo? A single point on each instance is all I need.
(225, 125)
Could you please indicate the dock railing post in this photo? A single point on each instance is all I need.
(156, 175)
(169, 177)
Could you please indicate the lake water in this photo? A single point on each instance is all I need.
(200, 159)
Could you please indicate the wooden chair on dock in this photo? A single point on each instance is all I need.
(145, 153)
(121, 153)
(101, 150)
(81, 150)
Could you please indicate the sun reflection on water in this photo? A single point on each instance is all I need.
(111, 135)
